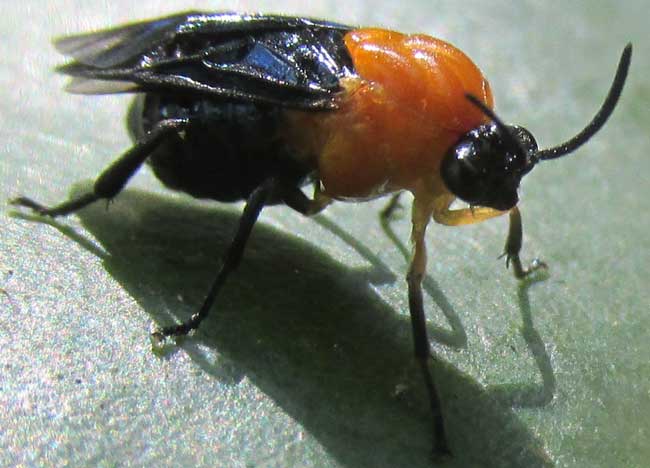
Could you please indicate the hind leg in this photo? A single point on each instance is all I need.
(113, 179)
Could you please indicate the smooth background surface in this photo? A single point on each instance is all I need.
(307, 361)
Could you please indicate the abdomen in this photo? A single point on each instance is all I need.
(227, 151)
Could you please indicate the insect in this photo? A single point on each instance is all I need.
(255, 107)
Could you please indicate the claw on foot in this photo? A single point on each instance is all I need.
(519, 271)
(161, 343)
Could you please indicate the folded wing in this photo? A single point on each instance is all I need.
(293, 62)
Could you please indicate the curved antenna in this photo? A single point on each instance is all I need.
(601, 117)
(506, 134)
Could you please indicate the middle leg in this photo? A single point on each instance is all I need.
(254, 205)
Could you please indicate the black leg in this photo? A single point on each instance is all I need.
(113, 179)
(256, 201)
(294, 198)
(513, 247)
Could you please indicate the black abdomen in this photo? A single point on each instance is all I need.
(227, 151)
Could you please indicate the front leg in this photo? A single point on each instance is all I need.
(443, 215)
(513, 247)
(461, 217)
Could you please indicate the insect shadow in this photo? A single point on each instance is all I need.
(518, 395)
(312, 334)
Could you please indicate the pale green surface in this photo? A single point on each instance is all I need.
(308, 361)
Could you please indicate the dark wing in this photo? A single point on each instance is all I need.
(294, 62)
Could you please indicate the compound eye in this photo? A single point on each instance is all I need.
(462, 172)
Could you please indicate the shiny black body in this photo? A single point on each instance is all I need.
(285, 61)
(226, 152)
(231, 77)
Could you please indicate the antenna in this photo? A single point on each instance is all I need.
(513, 142)
(601, 116)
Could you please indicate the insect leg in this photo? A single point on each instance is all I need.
(513, 247)
(465, 215)
(113, 179)
(421, 215)
(256, 201)
(296, 199)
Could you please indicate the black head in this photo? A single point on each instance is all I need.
(486, 165)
